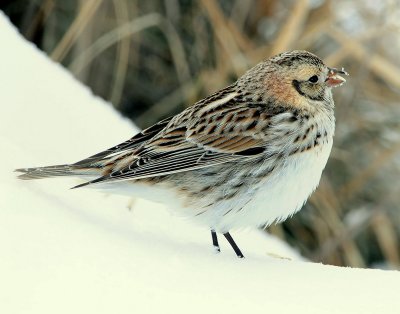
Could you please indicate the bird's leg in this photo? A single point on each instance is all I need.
(215, 241)
(234, 245)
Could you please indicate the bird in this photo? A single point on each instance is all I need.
(248, 155)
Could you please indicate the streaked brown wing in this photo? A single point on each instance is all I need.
(201, 142)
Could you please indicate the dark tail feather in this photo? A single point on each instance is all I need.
(47, 172)
(90, 182)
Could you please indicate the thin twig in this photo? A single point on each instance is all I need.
(292, 27)
(85, 14)
(224, 35)
(112, 37)
(122, 17)
(377, 64)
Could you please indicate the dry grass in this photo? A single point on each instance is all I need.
(153, 58)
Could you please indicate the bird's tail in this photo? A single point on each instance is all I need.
(51, 171)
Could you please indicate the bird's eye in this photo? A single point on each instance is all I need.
(313, 79)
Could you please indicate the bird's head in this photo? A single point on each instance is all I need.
(296, 78)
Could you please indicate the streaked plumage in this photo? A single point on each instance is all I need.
(248, 155)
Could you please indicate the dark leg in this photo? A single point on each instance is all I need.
(233, 244)
(215, 241)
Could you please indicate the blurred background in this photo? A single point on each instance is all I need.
(152, 59)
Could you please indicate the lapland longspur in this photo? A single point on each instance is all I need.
(248, 155)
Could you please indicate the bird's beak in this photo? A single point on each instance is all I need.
(334, 79)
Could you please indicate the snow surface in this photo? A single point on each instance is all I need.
(80, 251)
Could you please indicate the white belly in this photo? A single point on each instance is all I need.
(282, 194)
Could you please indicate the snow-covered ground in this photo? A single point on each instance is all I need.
(80, 251)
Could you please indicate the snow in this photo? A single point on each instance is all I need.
(80, 251)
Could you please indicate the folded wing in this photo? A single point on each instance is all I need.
(237, 132)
